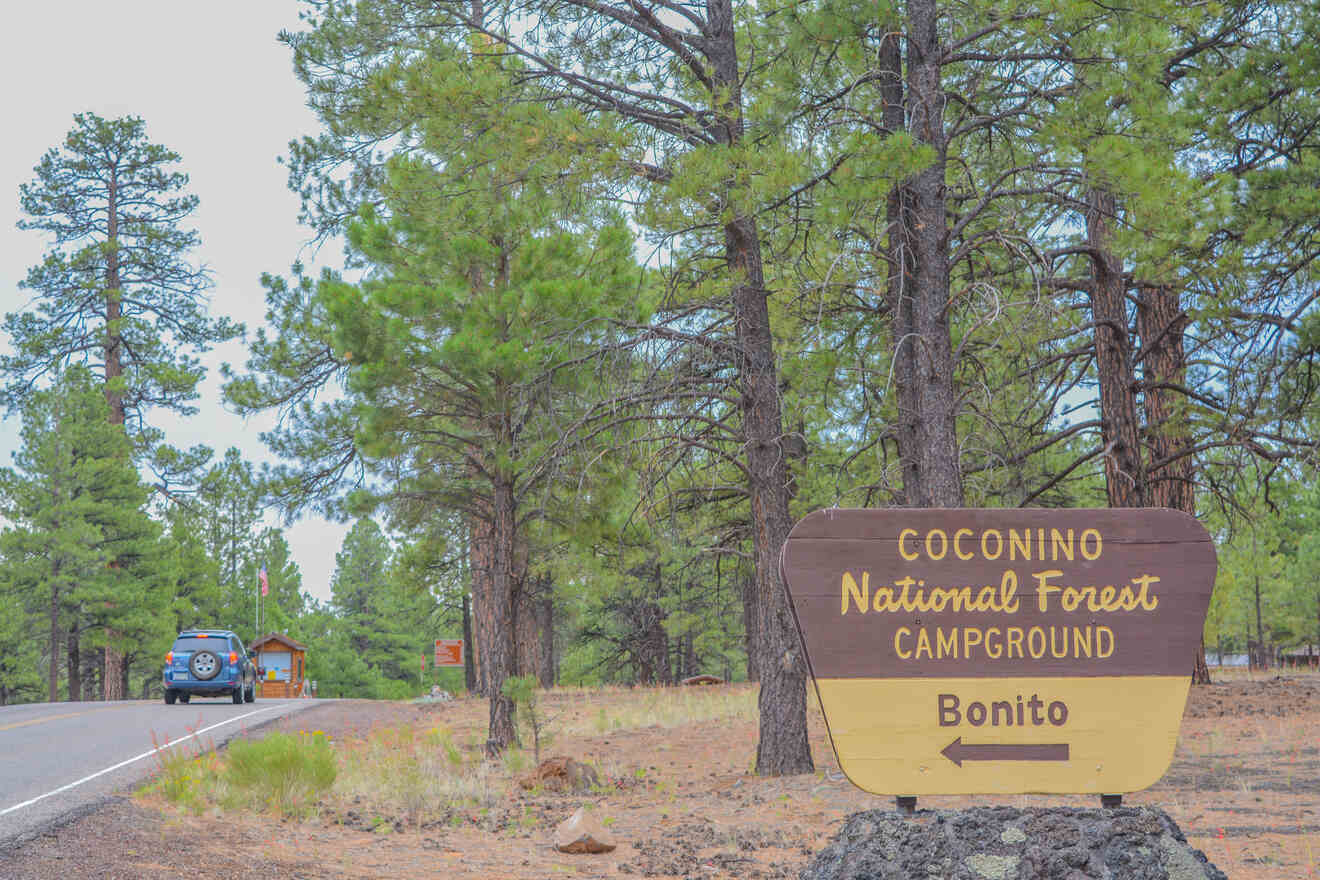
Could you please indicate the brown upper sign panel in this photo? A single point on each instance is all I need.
(1000, 651)
(899, 593)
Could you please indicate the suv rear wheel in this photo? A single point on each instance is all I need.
(170, 696)
(238, 695)
(204, 665)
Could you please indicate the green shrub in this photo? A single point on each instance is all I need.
(281, 772)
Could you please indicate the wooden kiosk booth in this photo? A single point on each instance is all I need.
(281, 666)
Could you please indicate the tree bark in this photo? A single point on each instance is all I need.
(53, 677)
(648, 623)
(1125, 481)
(469, 663)
(751, 627)
(114, 343)
(690, 666)
(533, 630)
(925, 238)
(112, 673)
(898, 295)
(1161, 323)
(480, 566)
(124, 663)
(74, 657)
(498, 640)
(783, 747)
(1263, 661)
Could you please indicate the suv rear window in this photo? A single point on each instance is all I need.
(191, 643)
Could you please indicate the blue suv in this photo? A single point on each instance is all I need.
(209, 663)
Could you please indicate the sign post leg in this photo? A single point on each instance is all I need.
(906, 803)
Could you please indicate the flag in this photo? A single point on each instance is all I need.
(265, 583)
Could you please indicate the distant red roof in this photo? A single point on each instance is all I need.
(276, 637)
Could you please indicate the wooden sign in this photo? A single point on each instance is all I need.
(448, 652)
(1001, 651)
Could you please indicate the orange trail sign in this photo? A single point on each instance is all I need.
(1000, 651)
(448, 652)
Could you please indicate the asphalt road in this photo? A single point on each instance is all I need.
(61, 759)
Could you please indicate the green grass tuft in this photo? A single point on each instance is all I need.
(282, 772)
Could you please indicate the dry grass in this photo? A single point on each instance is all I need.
(423, 774)
(594, 711)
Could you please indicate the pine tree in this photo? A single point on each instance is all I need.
(82, 539)
(361, 569)
(378, 619)
(20, 658)
(228, 515)
(468, 354)
(117, 291)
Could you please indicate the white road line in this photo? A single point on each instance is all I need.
(196, 733)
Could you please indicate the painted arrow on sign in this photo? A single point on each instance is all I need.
(958, 751)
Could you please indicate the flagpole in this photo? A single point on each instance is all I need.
(262, 586)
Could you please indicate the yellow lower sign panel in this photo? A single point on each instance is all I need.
(1106, 735)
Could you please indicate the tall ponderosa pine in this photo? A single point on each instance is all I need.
(678, 84)
(471, 353)
(468, 353)
(678, 78)
(117, 292)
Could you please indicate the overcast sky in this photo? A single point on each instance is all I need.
(213, 85)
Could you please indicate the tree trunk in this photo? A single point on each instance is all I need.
(1161, 323)
(114, 396)
(74, 664)
(1169, 472)
(782, 748)
(480, 566)
(545, 624)
(1125, 481)
(524, 619)
(652, 651)
(534, 627)
(112, 673)
(498, 640)
(469, 667)
(751, 626)
(1263, 661)
(898, 295)
(655, 641)
(925, 236)
(114, 342)
(53, 678)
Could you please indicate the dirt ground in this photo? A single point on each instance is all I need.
(1244, 787)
